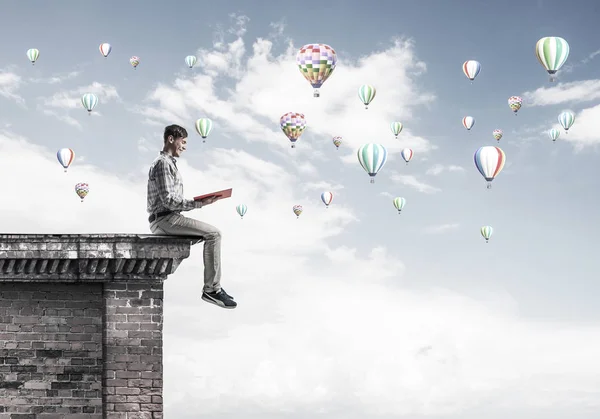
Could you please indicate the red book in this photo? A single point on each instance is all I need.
(225, 193)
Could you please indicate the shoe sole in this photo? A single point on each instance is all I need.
(217, 303)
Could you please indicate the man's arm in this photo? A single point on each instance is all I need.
(167, 193)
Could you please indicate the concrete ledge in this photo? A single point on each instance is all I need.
(91, 257)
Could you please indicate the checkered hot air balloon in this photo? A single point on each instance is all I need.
(372, 158)
(65, 157)
(293, 125)
(337, 141)
(514, 103)
(134, 61)
(297, 210)
(82, 189)
(316, 62)
(497, 133)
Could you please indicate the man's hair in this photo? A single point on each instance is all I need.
(176, 131)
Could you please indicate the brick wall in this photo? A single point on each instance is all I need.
(50, 350)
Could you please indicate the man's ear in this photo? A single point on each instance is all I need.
(170, 138)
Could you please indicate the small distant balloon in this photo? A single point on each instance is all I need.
(297, 210)
(316, 62)
(468, 122)
(471, 68)
(65, 157)
(89, 101)
(514, 103)
(366, 94)
(241, 210)
(326, 197)
(396, 128)
(82, 189)
(372, 158)
(204, 127)
(497, 134)
(293, 125)
(134, 61)
(399, 203)
(553, 134)
(190, 60)
(407, 154)
(566, 120)
(337, 141)
(105, 49)
(33, 54)
(486, 232)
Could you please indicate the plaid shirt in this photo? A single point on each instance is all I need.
(165, 186)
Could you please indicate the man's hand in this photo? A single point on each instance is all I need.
(206, 201)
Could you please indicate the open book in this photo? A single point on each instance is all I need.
(225, 193)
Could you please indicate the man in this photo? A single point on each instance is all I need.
(165, 204)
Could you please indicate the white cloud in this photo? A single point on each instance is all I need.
(413, 182)
(439, 229)
(576, 91)
(437, 169)
(267, 86)
(60, 104)
(584, 131)
(56, 79)
(9, 84)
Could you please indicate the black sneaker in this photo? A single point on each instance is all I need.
(219, 299)
(227, 295)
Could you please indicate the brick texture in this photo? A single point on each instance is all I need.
(81, 324)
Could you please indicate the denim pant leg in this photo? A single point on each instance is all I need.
(179, 225)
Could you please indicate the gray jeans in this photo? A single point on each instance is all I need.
(179, 225)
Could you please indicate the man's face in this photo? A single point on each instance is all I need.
(179, 146)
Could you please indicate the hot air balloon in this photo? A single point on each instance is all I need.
(326, 197)
(366, 94)
(190, 60)
(337, 141)
(204, 126)
(316, 62)
(399, 203)
(471, 68)
(241, 210)
(497, 134)
(552, 52)
(89, 101)
(105, 49)
(566, 119)
(407, 154)
(65, 157)
(396, 128)
(33, 55)
(297, 210)
(514, 103)
(372, 158)
(468, 122)
(553, 134)
(489, 160)
(293, 125)
(134, 61)
(486, 232)
(82, 190)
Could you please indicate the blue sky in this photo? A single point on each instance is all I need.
(538, 274)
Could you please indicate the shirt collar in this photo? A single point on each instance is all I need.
(169, 156)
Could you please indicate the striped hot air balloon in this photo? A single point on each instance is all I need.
(105, 49)
(552, 53)
(396, 128)
(489, 160)
(241, 210)
(190, 60)
(366, 94)
(204, 126)
(468, 122)
(407, 155)
(372, 158)
(399, 203)
(566, 119)
(471, 68)
(65, 157)
(89, 102)
(486, 232)
(33, 54)
(553, 134)
(326, 197)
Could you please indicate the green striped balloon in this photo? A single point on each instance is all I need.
(204, 126)
(486, 232)
(89, 101)
(372, 158)
(33, 55)
(552, 52)
(396, 128)
(399, 203)
(366, 93)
